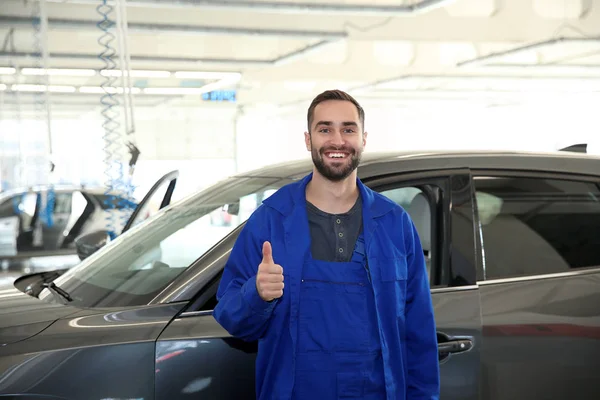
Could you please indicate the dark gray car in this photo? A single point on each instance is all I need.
(511, 243)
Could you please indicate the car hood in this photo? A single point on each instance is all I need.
(23, 316)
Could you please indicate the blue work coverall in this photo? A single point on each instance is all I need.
(399, 288)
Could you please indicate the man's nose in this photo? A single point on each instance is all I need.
(337, 138)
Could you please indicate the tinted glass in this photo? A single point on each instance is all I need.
(417, 205)
(109, 202)
(538, 226)
(62, 203)
(139, 264)
(152, 204)
(7, 208)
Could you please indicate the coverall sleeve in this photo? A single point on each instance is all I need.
(421, 336)
(240, 309)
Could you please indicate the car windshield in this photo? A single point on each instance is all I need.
(138, 265)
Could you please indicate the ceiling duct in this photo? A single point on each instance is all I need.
(282, 7)
(11, 56)
(280, 60)
(496, 59)
(178, 29)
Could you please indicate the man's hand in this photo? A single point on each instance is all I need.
(269, 279)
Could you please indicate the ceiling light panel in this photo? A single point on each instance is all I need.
(42, 88)
(7, 70)
(110, 90)
(206, 75)
(58, 72)
(136, 73)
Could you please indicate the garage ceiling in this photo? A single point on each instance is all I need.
(282, 52)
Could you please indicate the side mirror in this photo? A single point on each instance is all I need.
(233, 208)
(88, 244)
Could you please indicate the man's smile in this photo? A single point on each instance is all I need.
(336, 155)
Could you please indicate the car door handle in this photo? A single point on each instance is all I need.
(454, 346)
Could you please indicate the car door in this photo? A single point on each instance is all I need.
(56, 211)
(540, 285)
(157, 198)
(9, 226)
(196, 357)
(442, 211)
(28, 210)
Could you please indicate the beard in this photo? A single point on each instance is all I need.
(338, 172)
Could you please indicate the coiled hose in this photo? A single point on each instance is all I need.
(110, 114)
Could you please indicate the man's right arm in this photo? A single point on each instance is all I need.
(240, 309)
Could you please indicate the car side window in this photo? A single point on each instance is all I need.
(7, 208)
(62, 203)
(535, 226)
(418, 206)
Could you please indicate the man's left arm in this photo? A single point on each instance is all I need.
(421, 338)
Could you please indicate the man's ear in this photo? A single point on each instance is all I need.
(307, 141)
(365, 134)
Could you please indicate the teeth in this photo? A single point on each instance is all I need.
(336, 155)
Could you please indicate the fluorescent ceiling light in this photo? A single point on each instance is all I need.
(175, 90)
(42, 88)
(217, 85)
(58, 71)
(137, 73)
(7, 70)
(111, 90)
(206, 75)
(2, 86)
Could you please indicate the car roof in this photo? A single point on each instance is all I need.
(375, 163)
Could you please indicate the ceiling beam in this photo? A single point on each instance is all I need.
(286, 7)
(9, 57)
(134, 27)
(489, 59)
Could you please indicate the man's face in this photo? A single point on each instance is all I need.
(336, 139)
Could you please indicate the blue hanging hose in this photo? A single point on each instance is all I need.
(110, 103)
(47, 213)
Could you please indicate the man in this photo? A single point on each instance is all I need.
(330, 278)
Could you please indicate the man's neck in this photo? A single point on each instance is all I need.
(332, 197)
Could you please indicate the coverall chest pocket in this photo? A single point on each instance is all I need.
(393, 276)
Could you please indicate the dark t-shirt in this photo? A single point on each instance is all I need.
(333, 236)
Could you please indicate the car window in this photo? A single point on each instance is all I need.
(417, 204)
(109, 202)
(152, 205)
(62, 203)
(139, 264)
(533, 226)
(7, 208)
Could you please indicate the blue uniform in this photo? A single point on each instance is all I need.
(362, 329)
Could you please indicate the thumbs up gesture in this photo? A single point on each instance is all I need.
(269, 279)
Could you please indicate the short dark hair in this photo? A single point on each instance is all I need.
(334, 95)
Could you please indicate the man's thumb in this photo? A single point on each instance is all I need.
(267, 253)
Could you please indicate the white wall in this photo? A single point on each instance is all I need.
(543, 126)
(202, 142)
(199, 142)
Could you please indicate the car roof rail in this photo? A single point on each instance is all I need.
(576, 148)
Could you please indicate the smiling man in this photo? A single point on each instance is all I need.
(329, 277)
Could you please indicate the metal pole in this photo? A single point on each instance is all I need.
(45, 63)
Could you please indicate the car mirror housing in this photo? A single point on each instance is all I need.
(88, 244)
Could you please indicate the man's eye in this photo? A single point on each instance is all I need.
(324, 130)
